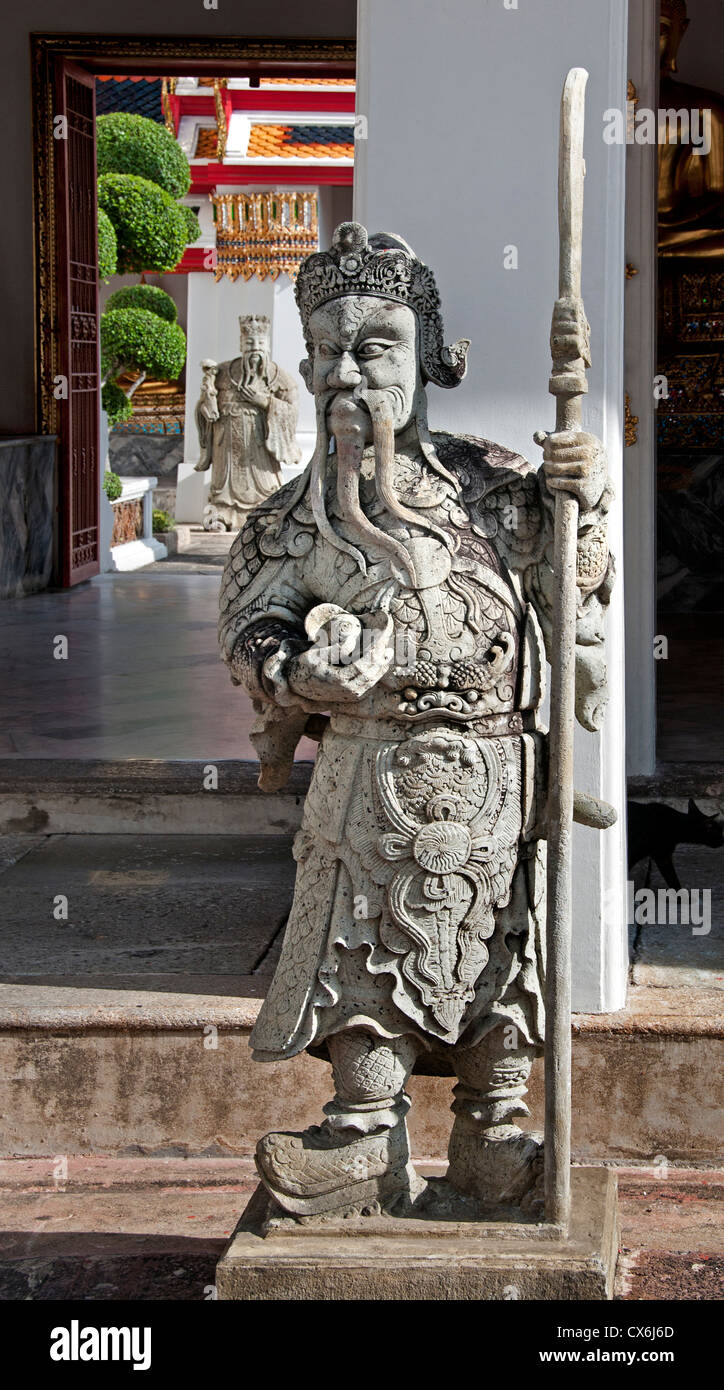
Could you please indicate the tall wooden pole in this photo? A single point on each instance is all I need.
(567, 384)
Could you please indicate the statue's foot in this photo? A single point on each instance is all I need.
(499, 1166)
(323, 1169)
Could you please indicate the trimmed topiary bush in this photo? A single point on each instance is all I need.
(192, 223)
(107, 246)
(112, 485)
(135, 340)
(150, 297)
(142, 172)
(115, 402)
(151, 229)
(128, 144)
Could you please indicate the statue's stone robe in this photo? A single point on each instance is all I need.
(248, 444)
(421, 871)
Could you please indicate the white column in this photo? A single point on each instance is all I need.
(462, 105)
(639, 369)
(288, 349)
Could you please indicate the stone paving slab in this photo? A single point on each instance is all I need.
(143, 906)
(150, 1229)
(669, 954)
(143, 676)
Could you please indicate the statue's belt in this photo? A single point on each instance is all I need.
(510, 724)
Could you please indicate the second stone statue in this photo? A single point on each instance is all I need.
(246, 418)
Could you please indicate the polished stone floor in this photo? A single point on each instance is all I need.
(142, 679)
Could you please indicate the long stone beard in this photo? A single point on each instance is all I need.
(349, 452)
(254, 367)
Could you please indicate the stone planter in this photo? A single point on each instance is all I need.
(132, 541)
(176, 540)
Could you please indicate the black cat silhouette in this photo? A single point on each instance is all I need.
(655, 831)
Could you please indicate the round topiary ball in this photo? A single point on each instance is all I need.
(107, 246)
(129, 144)
(151, 229)
(137, 340)
(118, 408)
(192, 222)
(150, 297)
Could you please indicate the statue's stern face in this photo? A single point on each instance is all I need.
(365, 351)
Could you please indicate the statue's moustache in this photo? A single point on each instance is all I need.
(378, 403)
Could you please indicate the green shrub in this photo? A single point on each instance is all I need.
(150, 297)
(115, 403)
(107, 246)
(162, 521)
(128, 144)
(136, 339)
(192, 223)
(151, 229)
(112, 485)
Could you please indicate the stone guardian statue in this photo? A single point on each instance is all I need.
(246, 419)
(395, 601)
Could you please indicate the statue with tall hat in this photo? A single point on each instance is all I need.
(395, 602)
(246, 419)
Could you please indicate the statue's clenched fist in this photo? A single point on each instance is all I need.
(574, 461)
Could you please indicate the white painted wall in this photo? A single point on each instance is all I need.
(462, 104)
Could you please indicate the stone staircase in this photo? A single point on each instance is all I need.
(124, 1025)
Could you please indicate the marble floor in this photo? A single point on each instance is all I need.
(143, 677)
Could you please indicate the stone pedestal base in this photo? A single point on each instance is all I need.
(407, 1258)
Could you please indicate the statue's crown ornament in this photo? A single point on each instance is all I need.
(382, 265)
(248, 322)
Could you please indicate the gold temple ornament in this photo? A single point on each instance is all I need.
(264, 234)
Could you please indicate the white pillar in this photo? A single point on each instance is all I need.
(462, 107)
(288, 349)
(639, 371)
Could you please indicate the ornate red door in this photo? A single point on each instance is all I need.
(77, 325)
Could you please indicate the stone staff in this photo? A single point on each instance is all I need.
(567, 384)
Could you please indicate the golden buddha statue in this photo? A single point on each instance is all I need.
(691, 180)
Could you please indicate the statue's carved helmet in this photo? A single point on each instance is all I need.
(384, 266)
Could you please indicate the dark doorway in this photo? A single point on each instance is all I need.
(690, 416)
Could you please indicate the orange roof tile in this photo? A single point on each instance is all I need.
(308, 81)
(300, 142)
(206, 143)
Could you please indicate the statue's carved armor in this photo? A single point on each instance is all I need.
(416, 925)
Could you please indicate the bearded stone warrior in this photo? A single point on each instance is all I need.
(397, 598)
(246, 419)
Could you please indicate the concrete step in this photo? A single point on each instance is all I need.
(104, 1070)
(112, 910)
(124, 1025)
(129, 796)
